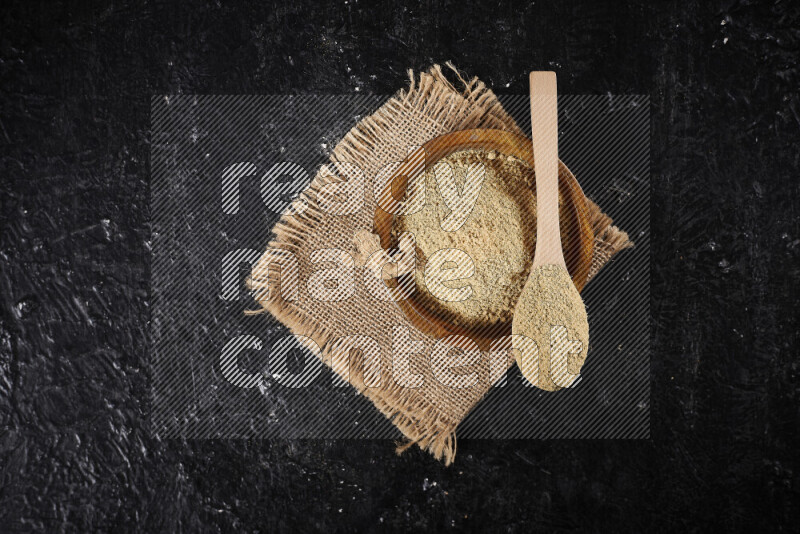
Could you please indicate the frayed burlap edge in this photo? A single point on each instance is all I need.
(430, 96)
(608, 239)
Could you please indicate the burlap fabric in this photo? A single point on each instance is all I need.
(371, 333)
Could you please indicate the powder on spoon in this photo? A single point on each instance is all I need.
(550, 312)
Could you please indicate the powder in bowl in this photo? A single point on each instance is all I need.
(499, 235)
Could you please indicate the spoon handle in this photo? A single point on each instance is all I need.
(544, 123)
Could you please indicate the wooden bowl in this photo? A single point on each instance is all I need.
(576, 231)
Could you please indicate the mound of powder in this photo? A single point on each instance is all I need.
(499, 235)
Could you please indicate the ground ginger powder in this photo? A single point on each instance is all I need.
(551, 313)
(499, 236)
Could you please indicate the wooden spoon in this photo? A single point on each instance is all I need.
(550, 327)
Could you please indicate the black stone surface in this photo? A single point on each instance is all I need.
(75, 450)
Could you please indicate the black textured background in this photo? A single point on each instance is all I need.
(75, 452)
